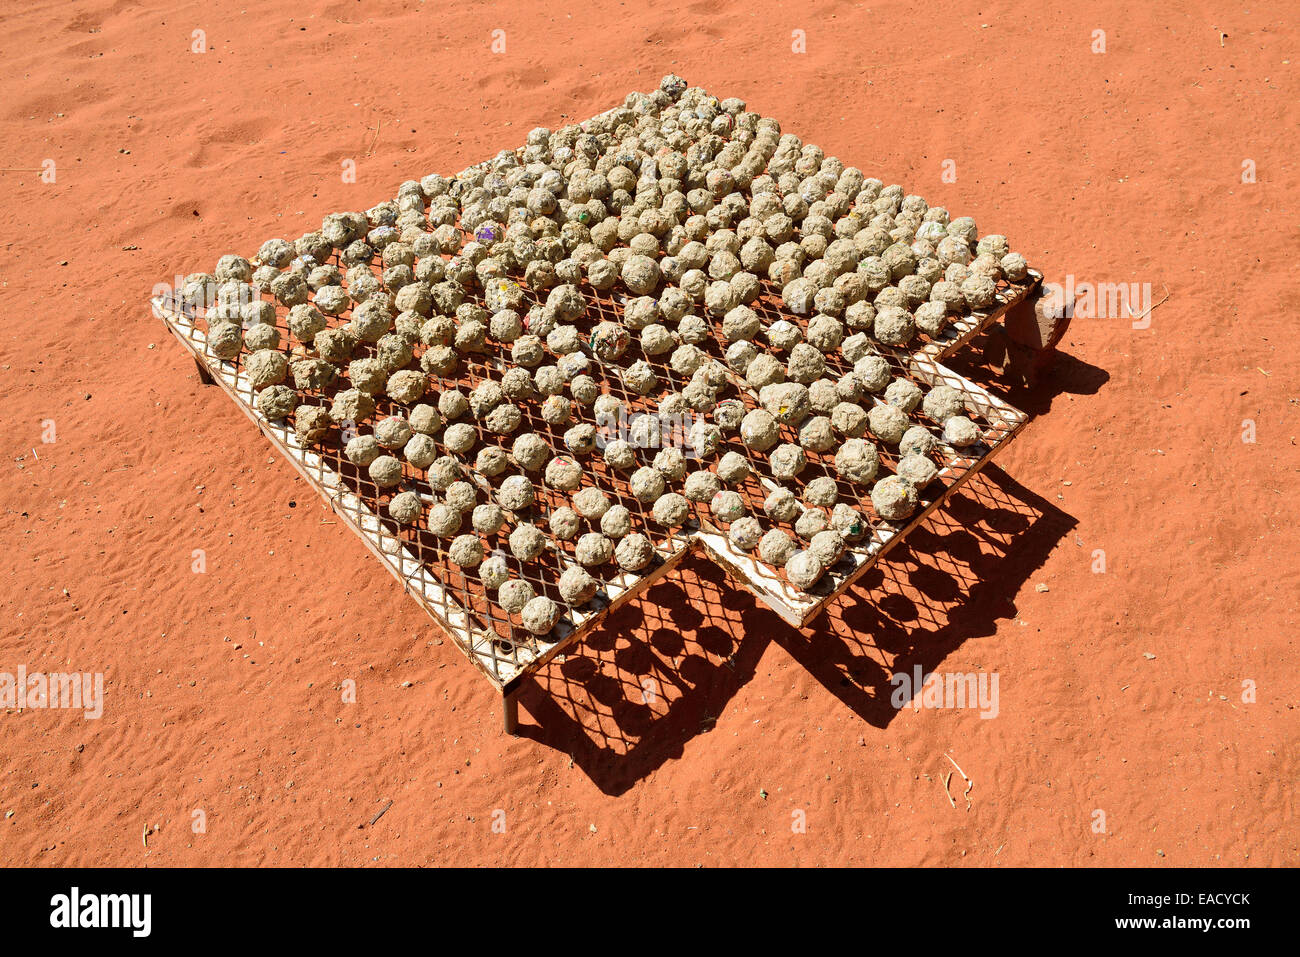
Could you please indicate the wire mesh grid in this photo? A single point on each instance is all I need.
(670, 665)
(664, 667)
(947, 580)
(503, 648)
(968, 324)
(498, 644)
(997, 423)
(456, 596)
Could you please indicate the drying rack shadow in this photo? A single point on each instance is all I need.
(951, 580)
(657, 673)
(1069, 375)
(955, 576)
(664, 668)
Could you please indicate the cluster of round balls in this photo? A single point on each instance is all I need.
(685, 206)
(845, 422)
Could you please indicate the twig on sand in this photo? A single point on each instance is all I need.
(1150, 308)
(969, 783)
(379, 125)
(946, 793)
(382, 811)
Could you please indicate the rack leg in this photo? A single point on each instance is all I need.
(204, 375)
(510, 712)
(1025, 344)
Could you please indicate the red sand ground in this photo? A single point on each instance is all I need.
(1120, 692)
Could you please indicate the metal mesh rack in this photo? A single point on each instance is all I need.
(455, 597)
(503, 651)
(998, 424)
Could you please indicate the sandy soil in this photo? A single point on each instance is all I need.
(1120, 692)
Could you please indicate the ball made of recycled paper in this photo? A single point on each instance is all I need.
(539, 615)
